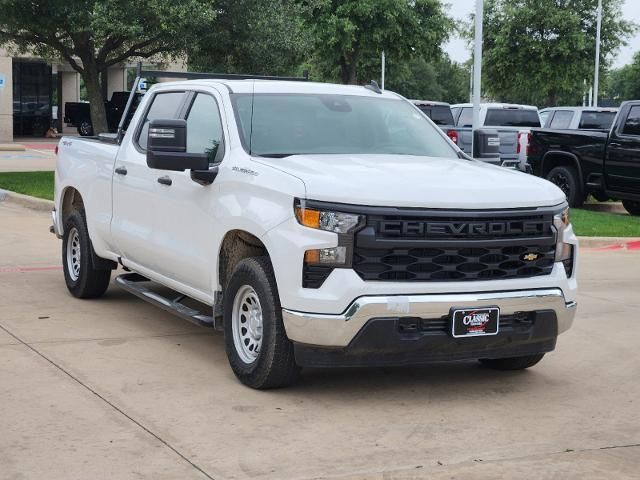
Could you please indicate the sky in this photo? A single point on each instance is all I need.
(460, 9)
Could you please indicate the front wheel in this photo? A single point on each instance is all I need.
(632, 207)
(259, 352)
(82, 278)
(566, 178)
(512, 363)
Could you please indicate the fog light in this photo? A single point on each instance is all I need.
(326, 256)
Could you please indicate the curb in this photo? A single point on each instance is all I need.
(610, 243)
(12, 147)
(26, 201)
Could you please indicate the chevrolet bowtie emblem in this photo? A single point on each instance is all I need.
(530, 257)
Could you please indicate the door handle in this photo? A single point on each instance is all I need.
(165, 180)
(121, 171)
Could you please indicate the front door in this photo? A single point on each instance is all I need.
(622, 165)
(135, 185)
(184, 210)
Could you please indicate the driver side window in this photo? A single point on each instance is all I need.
(204, 128)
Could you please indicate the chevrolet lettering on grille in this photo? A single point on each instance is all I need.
(455, 229)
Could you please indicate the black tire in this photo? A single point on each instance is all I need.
(275, 364)
(632, 207)
(512, 363)
(567, 179)
(84, 280)
(600, 196)
(85, 129)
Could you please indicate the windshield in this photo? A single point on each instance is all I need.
(278, 125)
(511, 117)
(597, 120)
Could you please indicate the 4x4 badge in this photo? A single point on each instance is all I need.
(530, 257)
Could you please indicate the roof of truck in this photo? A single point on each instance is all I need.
(281, 86)
(582, 109)
(497, 105)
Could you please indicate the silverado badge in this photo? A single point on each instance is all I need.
(530, 257)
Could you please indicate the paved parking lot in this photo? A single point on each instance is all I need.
(115, 388)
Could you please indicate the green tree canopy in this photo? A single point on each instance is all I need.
(260, 37)
(624, 83)
(349, 35)
(541, 51)
(92, 35)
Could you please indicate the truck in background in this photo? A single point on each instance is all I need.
(578, 118)
(77, 114)
(512, 123)
(605, 164)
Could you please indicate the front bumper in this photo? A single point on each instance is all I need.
(325, 330)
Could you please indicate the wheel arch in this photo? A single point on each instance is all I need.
(70, 199)
(557, 158)
(237, 244)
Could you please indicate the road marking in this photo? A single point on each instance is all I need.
(19, 269)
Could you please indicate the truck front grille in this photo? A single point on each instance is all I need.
(455, 246)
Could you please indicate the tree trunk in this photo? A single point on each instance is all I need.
(348, 69)
(91, 79)
(552, 99)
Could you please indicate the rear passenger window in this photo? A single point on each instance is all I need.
(204, 128)
(466, 117)
(562, 119)
(163, 105)
(632, 124)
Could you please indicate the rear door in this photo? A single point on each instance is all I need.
(135, 184)
(622, 164)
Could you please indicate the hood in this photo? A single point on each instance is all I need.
(411, 181)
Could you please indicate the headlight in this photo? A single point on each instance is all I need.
(564, 251)
(330, 221)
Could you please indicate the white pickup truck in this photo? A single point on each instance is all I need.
(317, 225)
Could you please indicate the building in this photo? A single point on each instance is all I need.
(33, 92)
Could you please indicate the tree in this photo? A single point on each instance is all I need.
(260, 37)
(92, 35)
(439, 80)
(624, 83)
(541, 51)
(349, 35)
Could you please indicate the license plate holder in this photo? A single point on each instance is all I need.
(475, 322)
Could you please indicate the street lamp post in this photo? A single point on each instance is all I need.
(477, 67)
(597, 72)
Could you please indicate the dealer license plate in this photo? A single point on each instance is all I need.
(474, 322)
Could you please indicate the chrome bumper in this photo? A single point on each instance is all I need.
(54, 226)
(339, 330)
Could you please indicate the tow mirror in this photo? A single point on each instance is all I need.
(167, 147)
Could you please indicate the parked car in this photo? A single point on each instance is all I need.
(77, 114)
(578, 118)
(512, 122)
(582, 162)
(317, 225)
(438, 112)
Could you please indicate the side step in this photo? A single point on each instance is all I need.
(134, 283)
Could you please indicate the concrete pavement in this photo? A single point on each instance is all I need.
(34, 156)
(116, 388)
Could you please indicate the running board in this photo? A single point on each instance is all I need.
(134, 283)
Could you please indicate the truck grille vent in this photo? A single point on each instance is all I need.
(454, 246)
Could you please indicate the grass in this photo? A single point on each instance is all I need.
(585, 223)
(35, 184)
(602, 224)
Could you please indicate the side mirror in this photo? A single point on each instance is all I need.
(167, 147)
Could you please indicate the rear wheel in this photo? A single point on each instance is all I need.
(512, 363)
(82, 278)
(631, 206)
(567, 179)
(259, 352)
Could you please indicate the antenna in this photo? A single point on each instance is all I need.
(373, 86)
